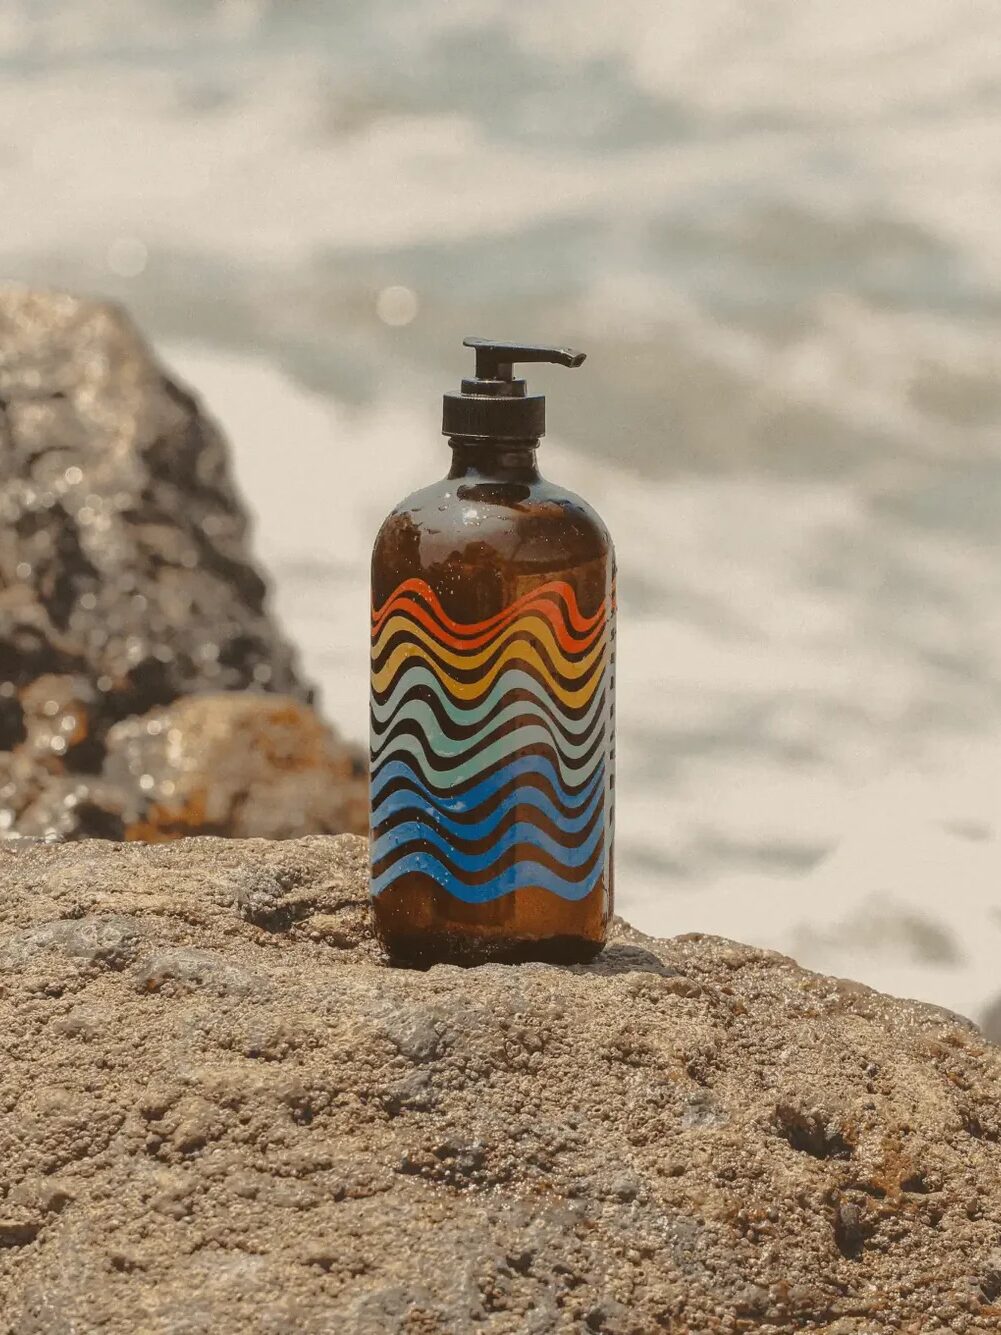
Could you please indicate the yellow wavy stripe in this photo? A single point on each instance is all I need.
(463, 690)
(540, 629)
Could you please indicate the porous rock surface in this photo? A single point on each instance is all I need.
(126, 577)
(219, 1112)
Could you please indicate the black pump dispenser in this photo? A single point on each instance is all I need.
(494, 405)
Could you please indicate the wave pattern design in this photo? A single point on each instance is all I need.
(491, 745)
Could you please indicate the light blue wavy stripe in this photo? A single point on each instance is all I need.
(413, 799)
(421, 713)
(524, 875)
(518, 769)
(509, 680)
(517, 739)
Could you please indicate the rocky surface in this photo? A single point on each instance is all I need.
(126, 578)
(219, 1112)
(234, 764)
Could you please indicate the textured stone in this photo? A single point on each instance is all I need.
(126, 585)
(236, 764)
(238, 1118)
(108, 942)
(123, 543)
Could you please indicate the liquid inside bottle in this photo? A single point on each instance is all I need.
(492, 726)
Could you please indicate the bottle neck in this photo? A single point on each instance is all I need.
(497, 461)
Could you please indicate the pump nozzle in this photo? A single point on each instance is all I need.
(494, 405)
(494, 360)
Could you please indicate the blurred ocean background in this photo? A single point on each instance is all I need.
(774, 229)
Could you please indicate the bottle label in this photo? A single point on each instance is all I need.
(492, 744)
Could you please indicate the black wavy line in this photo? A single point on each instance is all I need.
(411, 880)
(408, 726)
(505, 860)
(553, 598)
(420, 690)
(471, 674)
(484, 809)
(457, 732)
(583, 645)
(529, 816)
(457, 789)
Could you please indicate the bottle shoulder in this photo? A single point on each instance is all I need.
(456, 509)
(480, 543)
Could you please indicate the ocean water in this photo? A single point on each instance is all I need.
(773, 229)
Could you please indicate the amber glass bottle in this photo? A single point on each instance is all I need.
(493, 625)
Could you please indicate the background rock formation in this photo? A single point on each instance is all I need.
(235, 764)
(219, 1112)
(126, 580)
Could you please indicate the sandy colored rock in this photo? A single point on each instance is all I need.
(219, 1113)
(235, 764)
(127, 582)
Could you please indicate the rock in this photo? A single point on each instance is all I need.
(106, 942)
(252, 1123)
(990, 1020)
(237, 764)
(123, 549)
(186, 970)
(126, 585)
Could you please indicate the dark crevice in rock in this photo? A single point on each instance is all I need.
(18, 1233)
(851, 1230)
(973, 1126)
(915, 1185)
(809, 1133)
(12, 729)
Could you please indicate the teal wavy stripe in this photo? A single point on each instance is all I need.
(509, 718)
(519, 770)
(444, 748)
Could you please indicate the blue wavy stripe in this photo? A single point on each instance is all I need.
(523, 875)
(518, 769)
(518, 832)
(411, 799)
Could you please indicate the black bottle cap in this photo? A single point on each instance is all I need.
(494, 405)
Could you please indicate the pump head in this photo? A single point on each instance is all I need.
(494, 405)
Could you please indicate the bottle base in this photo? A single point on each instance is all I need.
(422, 950)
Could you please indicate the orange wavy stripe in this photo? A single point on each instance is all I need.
(461, 631)
(406, 613)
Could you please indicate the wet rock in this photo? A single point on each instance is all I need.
(186, 970)
(126, 584)
(109, 943)
(251, 1130)
(123, 544)
(57, 714)
(59, 806)
(240, 765)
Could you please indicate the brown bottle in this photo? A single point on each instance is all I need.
(493, 632)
